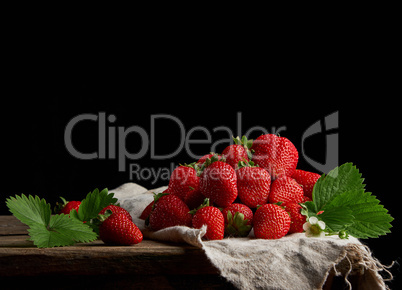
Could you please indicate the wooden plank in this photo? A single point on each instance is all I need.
(19, 257)
(9, 225)
(149, 281)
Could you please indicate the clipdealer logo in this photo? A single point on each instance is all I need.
(110, 147)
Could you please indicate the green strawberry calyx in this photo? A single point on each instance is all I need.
(247, 144)
(237, 225)
(246, 163)
(204, 204)
(200, 168)
(59, 206)
(103, 217)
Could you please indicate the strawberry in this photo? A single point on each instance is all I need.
(276, 154)
(240, 151)
(297, 219)
(67, 206)
(194, 199)
(118, 229)
(169, 211)
(212, 217)
(147, 211)
(233, 154)
(238, 219)
(218, 182)
(184, 183)
(285, 189)
(271, 222)
(116, 209)
(307, 180)
(253, 184)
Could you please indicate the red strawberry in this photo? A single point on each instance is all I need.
(116, 209)
(147, 211)
(212, 217)
(67, 206)
(297, 219)
(183, 180)
(271, 222)
(238, 219)
(233, 154)
(276, 154)
(184, 183)
(218, 182)
(307, 180)
(240, 151)
(253, 185)
(285, 189)
(118, 229)
(194, 199)
(169, 211)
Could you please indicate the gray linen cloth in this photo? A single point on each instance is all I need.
(292, 262)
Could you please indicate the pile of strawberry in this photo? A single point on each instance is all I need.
(251, 184)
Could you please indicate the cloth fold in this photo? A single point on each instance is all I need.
(292, 262)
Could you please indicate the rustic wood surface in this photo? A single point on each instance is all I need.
(147, 265)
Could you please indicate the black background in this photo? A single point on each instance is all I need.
(45, 89)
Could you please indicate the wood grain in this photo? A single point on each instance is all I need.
(9, 225)
(147, 265)
(18, 256)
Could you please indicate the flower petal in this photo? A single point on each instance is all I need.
(321, 224)
(309, 234)
(306, 226)
(313, 220)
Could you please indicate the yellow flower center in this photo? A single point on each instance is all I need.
(315, 229)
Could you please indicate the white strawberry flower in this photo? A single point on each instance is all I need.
(314, 228)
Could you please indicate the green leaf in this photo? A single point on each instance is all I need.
(93, 203)
(337, 218)
(61, 231)
(344, 178)
(46, 230)
(371, 219)
(345, 206)
(29, 210)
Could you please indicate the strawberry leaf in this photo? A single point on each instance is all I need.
(61, 231)
(29, 210)
(46, 230)
(337, 218)
(370, 219)
(339, 200)
(337, 181)
(93, 203)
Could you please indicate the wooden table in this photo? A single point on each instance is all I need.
(149, 264)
